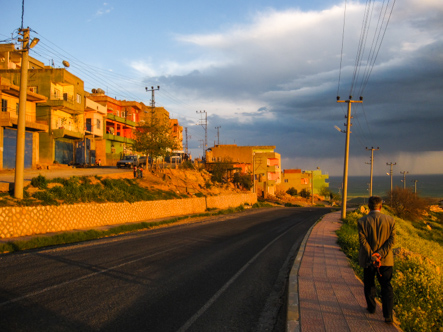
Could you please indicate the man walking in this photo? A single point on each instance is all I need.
(376, 232)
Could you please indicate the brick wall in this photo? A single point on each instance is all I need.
(22, 221)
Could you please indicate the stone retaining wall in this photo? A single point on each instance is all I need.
(22, 221)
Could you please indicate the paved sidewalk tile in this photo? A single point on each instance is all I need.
(331, 297)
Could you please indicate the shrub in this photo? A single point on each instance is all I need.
(292, 191)
(305, 193)
(407, 205)
(39, 182)
(186, 165)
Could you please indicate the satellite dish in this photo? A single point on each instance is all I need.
(65, 63)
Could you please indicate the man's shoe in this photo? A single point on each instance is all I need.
(389, 320)
(371, 311)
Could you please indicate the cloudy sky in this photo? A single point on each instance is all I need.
(266, 72)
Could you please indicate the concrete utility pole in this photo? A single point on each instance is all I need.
(372, 167)
(404, 178)
(391, 174)
(204, 124)
(186, 144)
(21, 122)
(345, 168)
(218, 134)
(312, 187)
(253, 172)
(415, 186)
(152, 100)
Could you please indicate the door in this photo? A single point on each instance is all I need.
(10, 148)
(64, 152)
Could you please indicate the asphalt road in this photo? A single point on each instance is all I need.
(227, 274)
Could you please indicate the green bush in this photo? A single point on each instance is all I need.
(39, 182)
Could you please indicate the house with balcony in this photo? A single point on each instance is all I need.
(63, 108)
(121, 120)
(9, 96)
(262, 162)
(94, 122)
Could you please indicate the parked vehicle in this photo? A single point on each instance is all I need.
(128, 161)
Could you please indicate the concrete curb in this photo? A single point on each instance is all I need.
(293, 317)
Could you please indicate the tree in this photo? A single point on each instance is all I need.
(154, 140)
(244, 180)
(220, 170)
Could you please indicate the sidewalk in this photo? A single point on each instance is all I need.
(324, 293)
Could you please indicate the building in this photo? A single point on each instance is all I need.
(262, 162)
(121, 120)
(299, 180)
(62, 110)
(95, 119)
(9, 95)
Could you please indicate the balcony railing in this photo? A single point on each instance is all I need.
(11, 118)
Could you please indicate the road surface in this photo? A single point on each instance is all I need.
(225, 274)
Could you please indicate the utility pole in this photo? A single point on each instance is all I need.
(152, 100)
(345, 168)
(202, 143)
(204, 124)
(415, 186)
(218, 134)
(372, 167)
(21, 122)
(404, 178)
(186, 145)
(253, 172)
(312, 188)
(391, 174)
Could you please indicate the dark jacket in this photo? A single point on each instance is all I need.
(376, 234)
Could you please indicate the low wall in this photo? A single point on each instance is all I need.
(22, 221)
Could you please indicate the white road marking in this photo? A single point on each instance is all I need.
(202, 310)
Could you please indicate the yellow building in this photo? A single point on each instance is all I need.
(266, 164)
(299, 180)
(9, 95)
(63, 109)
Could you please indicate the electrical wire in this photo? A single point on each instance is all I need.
(342, 45)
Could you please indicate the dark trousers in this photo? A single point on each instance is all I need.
(387, 294)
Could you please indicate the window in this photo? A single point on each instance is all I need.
(79, 99)
(98, 124)
(17, 107)
(33, 89)
(4, 105)
(286, 181)
(56, 93)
